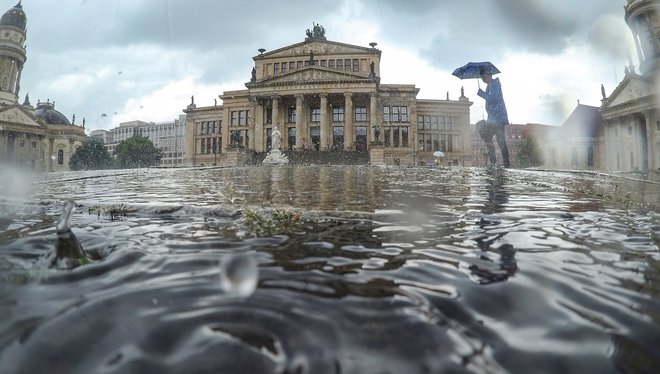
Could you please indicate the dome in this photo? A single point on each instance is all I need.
(14, 17)
(47, 112)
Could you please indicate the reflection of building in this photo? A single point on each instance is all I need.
(168, 137)
(630, 113)
(41, 138)
(325, 95)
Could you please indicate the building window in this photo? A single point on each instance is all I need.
(315, 136)
(574, 157)
(284, 65)
(60, 157)
(347, 64)
(340, 64)
(299, 64)
(361, 114)
(397, 114)
(276, 68)
(242, 117)
(21, 143)
(291, 115)
(632, 161)
(291, 137)
(395, 136)
(324, 63)
(34, 144)
(234, 118)
(236, 138)
(356, 64)
(338, 137)
(338, 114)
(315, 115)
(361, 138)
(404, 136)
(331, 64)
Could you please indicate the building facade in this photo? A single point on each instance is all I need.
(631, 120)
(38, 138)
(167, 136)
(326, 96)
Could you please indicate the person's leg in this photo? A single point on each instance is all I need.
(501, 142)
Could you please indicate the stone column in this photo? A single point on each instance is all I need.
(373, 118)
(51, 143)
(300, 132)
(258, 136)
(276, 114)
(349, 131)
(324, 121)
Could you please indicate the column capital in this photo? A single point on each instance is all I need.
(348, 94)
(323, 95)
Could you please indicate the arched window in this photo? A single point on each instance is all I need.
(60, 157)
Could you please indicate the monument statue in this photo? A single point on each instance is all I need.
(254, 75)
(317, 31)
(277, 138)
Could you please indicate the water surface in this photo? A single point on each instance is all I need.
(371, 270)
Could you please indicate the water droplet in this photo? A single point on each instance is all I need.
(239, 274)
(63, 222)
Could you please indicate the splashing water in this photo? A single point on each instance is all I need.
(68, 251)
(239, 274)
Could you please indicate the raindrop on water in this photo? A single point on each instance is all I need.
(239, 274)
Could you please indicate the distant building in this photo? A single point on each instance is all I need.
(631, 120)
(38, 138)
(515, 136)
(166, 136)
(323, 96)
(578, 143)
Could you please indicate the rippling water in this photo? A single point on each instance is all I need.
(374, 270)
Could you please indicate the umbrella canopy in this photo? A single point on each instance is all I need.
(472, 69)
(438, 154)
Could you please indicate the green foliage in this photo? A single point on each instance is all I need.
(137, 152)
(91, 155)
(264, 223)
(529, 153)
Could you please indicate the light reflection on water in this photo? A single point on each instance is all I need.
(390, 270)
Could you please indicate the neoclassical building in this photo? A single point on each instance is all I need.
(38, 138)
(631, 117)
(326, 96)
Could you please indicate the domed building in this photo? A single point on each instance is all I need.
(41, 138)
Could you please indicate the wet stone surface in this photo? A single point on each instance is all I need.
(332, 270)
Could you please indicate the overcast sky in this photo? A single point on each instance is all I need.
(112, 61)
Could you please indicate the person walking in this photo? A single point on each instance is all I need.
(497, 118)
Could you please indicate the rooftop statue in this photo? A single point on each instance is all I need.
(317, 31)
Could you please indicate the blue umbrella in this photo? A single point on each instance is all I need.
(472, 69)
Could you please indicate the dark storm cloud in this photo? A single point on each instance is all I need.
(464, 30)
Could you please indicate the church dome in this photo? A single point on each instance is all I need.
(47, 112)
(14, 17)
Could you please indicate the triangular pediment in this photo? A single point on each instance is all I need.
(632, 88)
(17, 115)
(310, 74)
(319, 47)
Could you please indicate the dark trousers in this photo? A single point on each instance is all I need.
(486, 132)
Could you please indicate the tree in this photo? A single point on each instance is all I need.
(137, 152)
(529, 153)
(91, 155)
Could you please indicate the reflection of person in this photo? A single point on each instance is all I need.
(497, 118)
(506, 265)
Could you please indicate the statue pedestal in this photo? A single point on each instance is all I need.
(275, 157)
